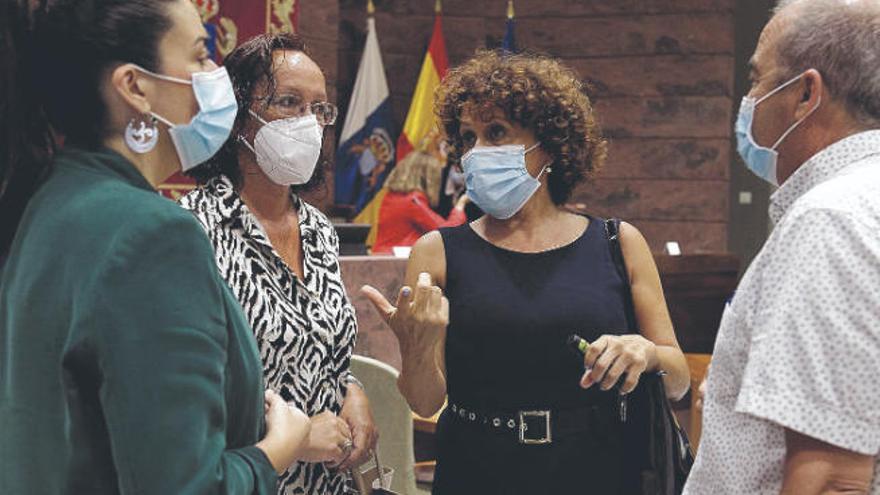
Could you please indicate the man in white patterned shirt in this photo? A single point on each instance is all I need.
(793, 398)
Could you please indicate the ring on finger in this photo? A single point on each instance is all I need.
(347, 446)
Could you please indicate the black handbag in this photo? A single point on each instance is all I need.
(662, 456)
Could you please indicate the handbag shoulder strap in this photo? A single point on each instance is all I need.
(668, 452)
(612, 233)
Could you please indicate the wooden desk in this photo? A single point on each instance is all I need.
(423, 440)
(699, 366)
(696, 288)
(427, 425)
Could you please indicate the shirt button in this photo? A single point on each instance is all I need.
(325, 385)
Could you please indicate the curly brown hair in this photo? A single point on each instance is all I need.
(536, 92)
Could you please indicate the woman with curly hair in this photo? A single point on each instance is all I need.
(487, 306)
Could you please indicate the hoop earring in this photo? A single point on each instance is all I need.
(139, 137)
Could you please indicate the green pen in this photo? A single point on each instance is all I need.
(578, 344)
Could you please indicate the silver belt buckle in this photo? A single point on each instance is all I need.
(548, 436)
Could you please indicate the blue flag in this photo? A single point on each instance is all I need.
(366, 149)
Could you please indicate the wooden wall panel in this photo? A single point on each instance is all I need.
(319, 26)
(661, 76)
(664, 200)
(683, 159)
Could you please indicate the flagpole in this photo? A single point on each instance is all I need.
(268, 15)
(438, 7)
(371, 9)
(508, 44)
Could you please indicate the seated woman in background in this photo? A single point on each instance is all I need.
(279, 253)
(407, 210)
(517, 282)
(127, 364)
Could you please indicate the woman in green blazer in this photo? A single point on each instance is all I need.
(126, 365)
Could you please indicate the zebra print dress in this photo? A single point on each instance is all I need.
(305, 328)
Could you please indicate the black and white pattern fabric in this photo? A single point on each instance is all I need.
(305, 328)
(799, 344)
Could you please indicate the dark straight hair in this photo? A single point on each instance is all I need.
(52, 58)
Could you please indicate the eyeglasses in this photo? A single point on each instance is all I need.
(289, 106)
(325, 111)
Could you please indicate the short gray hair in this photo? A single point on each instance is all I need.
(840, 39)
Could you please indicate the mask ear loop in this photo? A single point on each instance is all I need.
(796, 124)
(257, 116)
(163, 76)
(247, 145)
(778, 89)
(162, 119)
(241, 139)
(546, 167)
(530, 148)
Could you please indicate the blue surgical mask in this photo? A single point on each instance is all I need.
(762, 161)
(497, 179)
(206, 133)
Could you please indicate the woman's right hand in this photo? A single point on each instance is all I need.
(420, 317)
(329, 441)
(419, 322)
(701, 394)
(287, 430)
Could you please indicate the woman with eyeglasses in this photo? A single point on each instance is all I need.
(279, 253)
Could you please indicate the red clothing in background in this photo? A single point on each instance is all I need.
(404, 217)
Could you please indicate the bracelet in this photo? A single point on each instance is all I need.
(351, 379)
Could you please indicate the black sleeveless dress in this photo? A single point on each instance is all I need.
(510, 314)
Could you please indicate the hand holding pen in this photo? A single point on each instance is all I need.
(612, 357)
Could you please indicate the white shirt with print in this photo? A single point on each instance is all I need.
(799, 344)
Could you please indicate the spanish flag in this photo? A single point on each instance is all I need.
(420, 118)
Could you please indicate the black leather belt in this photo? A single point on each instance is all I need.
(532, 427)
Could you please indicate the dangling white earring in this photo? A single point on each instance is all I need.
(139, 137)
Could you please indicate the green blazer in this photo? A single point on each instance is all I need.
(126, 365)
